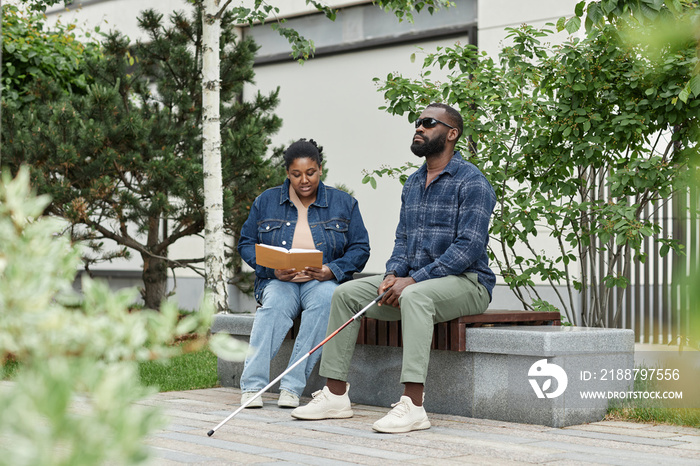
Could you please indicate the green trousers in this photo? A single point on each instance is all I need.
(421, 305)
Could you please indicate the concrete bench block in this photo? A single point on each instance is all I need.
(502, 387)
(490, 380)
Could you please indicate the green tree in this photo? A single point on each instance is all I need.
(657, 27)
(124, 161)
(31, 53)
(577, 140)
(33, 56)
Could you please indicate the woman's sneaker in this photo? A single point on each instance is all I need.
(257, 403)
(405, 417)
(325, 405)
(287, 400)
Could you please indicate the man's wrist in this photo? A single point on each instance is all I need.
(390, 272)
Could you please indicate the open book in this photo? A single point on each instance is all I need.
(280, 258)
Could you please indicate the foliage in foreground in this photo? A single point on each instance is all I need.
(67, 345)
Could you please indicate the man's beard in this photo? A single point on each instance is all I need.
(429, 146)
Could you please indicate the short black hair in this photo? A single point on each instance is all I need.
(454, 116)
(303, 148)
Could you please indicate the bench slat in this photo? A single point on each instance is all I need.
(496, 317)
(371, 331)
(382, 333)
(363, 332)
(394, 333)
(458, 339)
(442, 337)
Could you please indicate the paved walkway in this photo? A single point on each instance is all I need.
(271, 436)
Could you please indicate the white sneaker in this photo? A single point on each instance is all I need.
(325, 405)
(405, 417)
(287, 400)
(257, 403)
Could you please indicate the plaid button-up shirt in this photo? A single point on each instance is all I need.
(444, 228)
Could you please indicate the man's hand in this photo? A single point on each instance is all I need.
(396, 286)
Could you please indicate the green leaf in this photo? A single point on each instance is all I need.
(561, 24)
(573, 25)
(227, 348)
(620, 239)
(694, 85)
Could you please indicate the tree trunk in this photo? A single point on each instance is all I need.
(214, 265)
(155, 281)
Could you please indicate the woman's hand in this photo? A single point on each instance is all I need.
(285, 274)
(319, 273)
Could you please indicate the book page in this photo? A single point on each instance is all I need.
(276, 248)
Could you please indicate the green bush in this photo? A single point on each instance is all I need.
(579, 140)
(62, 345)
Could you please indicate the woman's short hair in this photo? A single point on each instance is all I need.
(303, 148)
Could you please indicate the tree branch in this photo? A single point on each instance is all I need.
(221, 11)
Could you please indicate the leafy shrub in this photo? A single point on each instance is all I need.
(70, 345)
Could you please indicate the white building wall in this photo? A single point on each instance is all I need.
(496, 15)
(111, 14)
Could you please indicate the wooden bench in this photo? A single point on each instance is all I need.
(450, 336)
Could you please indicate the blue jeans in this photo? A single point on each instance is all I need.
(282, 302)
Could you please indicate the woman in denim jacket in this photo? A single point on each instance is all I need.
(301, 213)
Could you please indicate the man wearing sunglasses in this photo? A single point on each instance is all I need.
(438, 271)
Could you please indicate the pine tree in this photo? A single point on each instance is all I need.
(124, 161)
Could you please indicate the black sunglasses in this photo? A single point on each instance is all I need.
(431, 123)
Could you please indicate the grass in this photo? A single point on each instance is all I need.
(188, 371)
(652, 411)
(656, 415)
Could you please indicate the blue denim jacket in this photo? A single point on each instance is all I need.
(336, 227)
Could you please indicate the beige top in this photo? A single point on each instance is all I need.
(302, 233)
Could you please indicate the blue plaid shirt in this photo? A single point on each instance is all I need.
(444, 229)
